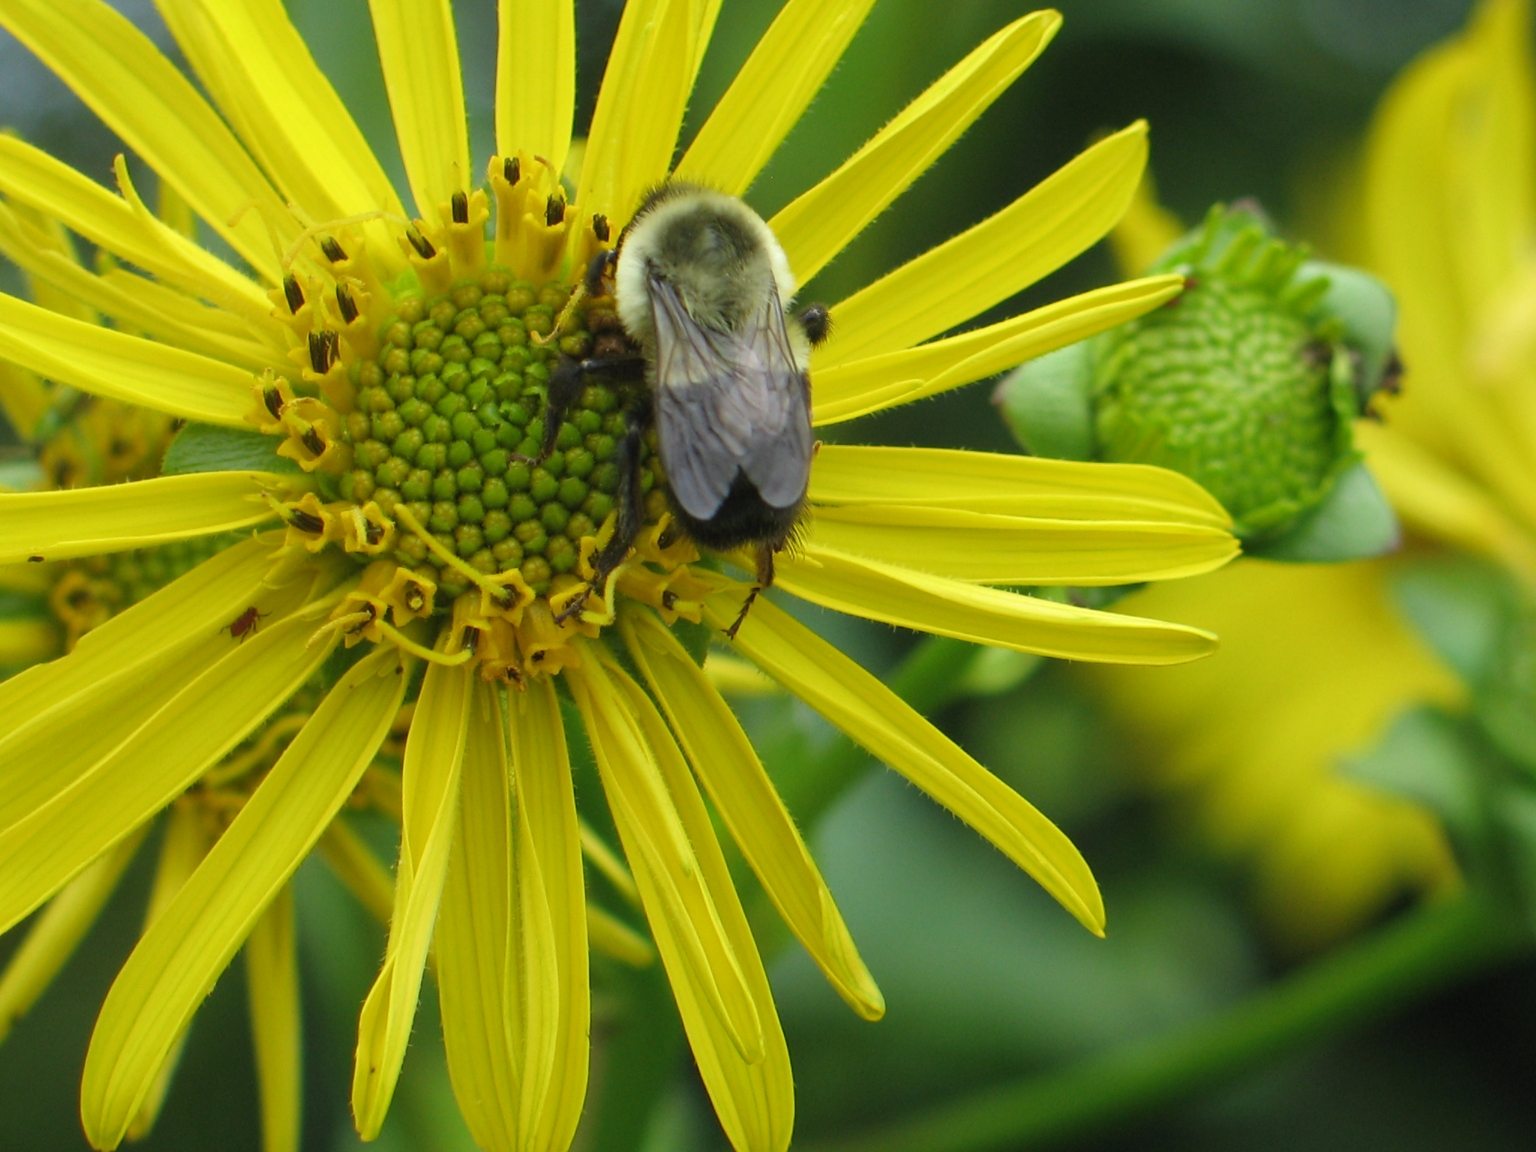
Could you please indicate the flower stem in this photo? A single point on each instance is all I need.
(1422, 951)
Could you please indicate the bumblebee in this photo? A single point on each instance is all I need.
(702, 290)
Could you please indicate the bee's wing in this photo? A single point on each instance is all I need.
(729, 401)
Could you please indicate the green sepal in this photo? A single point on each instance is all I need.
(1424, 757)
(1048, 403)
(1365, 312)
(209, 448)
(1353, 522)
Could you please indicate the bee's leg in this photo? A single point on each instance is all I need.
(764, 580)
(631, 513)
(565, 386)
(817, 323)
(601, 264)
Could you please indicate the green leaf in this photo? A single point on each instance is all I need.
(1462, 607)
(1353, 522)
(1047, 403)
(207, 448)
(1424, 758)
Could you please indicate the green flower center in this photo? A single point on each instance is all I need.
(451, 414)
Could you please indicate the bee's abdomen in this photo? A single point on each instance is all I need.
(744, 517)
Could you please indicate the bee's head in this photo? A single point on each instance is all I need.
(711, 247)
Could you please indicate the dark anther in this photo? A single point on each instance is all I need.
(334, 252)
(306, 521)
(600, 227)
(668, 537)
(345, 302)
(460, 203)
(1392, 373)
(374, 532)
(414, 600)
(511, 170)
(293, 293)
(324, 347)
(554, 210)
(34, 559)
(419, 242)
(371, 613)
(313, 442)
(668, 598)
(273, 399)
(471, 639)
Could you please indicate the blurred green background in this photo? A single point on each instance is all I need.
(985, 977)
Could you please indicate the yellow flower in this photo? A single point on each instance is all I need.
(357, 342)
(1315, 663)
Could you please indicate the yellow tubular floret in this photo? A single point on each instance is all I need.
(175, 965)
(873, 716)
(434, 756)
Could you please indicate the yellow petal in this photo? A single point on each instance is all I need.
(724, 760)
(434, 755)
(818, 225)
(419, 51)
(23, 398)
(1145, 231)
(875, 717)
(63, 718)
(183, 846)
(858, 387)
(24, 642)
(535, 78)
(1442, 502)
(911, 599)
(640, 106)
(1010, 485)
(112, 518)
(158, 761)
(1039, 232)
(52, 938)
(664, 861)
(125, 80)
(612, 937)
(477, 947)
(260, 73)
(186, 611)
(25, 249)
(775, 85)
(180, 957)
(755, 1099)
(547, 831)
(122, 367)
(999, 549)
(36, 179)
(272, 985)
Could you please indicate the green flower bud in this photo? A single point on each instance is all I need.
(1249, 382)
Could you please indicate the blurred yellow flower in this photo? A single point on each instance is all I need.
(398, 364)
(1315, 662)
